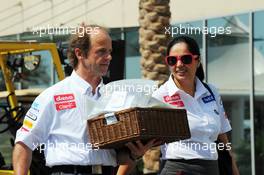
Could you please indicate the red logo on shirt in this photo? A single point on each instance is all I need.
(24, 129)
(66, 105)
(178, 103)
(63, 97)
(64, 101)
(174, 100)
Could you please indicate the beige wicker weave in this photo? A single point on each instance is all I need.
(133, 124)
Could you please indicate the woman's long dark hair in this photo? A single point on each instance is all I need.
(192, 47)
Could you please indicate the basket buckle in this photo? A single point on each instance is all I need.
(110, 118)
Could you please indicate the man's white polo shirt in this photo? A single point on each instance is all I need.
(55, 119)
(206, 117)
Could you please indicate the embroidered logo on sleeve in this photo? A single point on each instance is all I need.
(31, 116)
(23, 129)
(28, 124)
(208, 99)
(174, 100)
(35, 106)
(64, 101)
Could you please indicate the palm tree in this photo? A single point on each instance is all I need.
(154, 16)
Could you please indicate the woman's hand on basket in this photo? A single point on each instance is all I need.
(138, 149)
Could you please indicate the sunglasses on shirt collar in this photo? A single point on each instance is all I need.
(171, 60)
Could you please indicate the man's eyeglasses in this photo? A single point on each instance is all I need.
(171, 60)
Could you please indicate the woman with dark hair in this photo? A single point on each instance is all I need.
(205, 112)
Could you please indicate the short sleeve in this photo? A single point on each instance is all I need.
(37, 123)
(225, 124)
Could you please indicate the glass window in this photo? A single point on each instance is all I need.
(115, 33)
(259, 90)
(9, 38)
(43, 72)
(132, 67)
(228, 69)
(26, 79)
(132, 62)
(132, 44)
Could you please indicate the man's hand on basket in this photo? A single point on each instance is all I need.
(138, 149)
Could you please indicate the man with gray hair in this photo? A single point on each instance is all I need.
(55, 118)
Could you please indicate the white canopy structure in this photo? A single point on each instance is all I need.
(229, 69)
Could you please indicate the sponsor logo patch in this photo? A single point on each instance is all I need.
(66, 105)
(24, 129)
(208, 99)
(35, 106)
(28, 124)
(64, 101)
(31, 116)
(178, 103)
(63, 98)
(174, 100)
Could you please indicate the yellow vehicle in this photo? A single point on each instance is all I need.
(18, 62)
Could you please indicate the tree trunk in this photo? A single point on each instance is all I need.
(154, 16)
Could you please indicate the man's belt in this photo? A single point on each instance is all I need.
(93, 169)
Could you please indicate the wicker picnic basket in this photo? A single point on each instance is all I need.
(133, 124)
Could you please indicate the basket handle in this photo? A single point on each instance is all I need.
(110, 118)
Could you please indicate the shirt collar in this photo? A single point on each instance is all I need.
(200, 89)
(173, 89)
(101, 84)
(83, 85)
